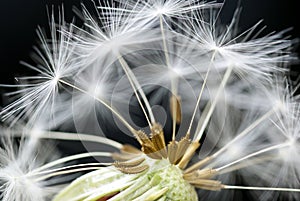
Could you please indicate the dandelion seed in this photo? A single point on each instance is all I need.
(245, 52)
(41, 91)
(16, 165)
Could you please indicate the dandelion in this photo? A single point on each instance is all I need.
(54, 63)
(229, 111)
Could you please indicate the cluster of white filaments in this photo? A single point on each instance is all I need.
(231, 109)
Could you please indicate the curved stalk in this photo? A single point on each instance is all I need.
(56, 135)
(47, 172)
(279, 146)
(71, 158)
(65, 172)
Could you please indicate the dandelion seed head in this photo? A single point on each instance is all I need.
(160, 11)
(291, 151)
(214, 47)
(56, 79)
(142, 48)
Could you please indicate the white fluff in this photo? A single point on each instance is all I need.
(129, 58)
(17, 161)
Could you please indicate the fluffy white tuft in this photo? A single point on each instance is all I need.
(17, 161)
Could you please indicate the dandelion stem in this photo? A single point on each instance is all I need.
(246, 131)
(174, 83)
(260, 188)
(71, 158)
(271, 148)
(132, 130)
(246, 164)
(204, 112)
(213, 104)
(70, 167)
(84, 137)
(72, 137)
(137, 88)
(201, 92)
(65, 172)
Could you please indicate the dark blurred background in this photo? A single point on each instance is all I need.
(20, 18)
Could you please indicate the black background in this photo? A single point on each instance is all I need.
(20, 18)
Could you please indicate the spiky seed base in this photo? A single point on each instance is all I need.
(155, 173)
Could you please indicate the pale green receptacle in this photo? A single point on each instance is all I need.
(162, 181)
